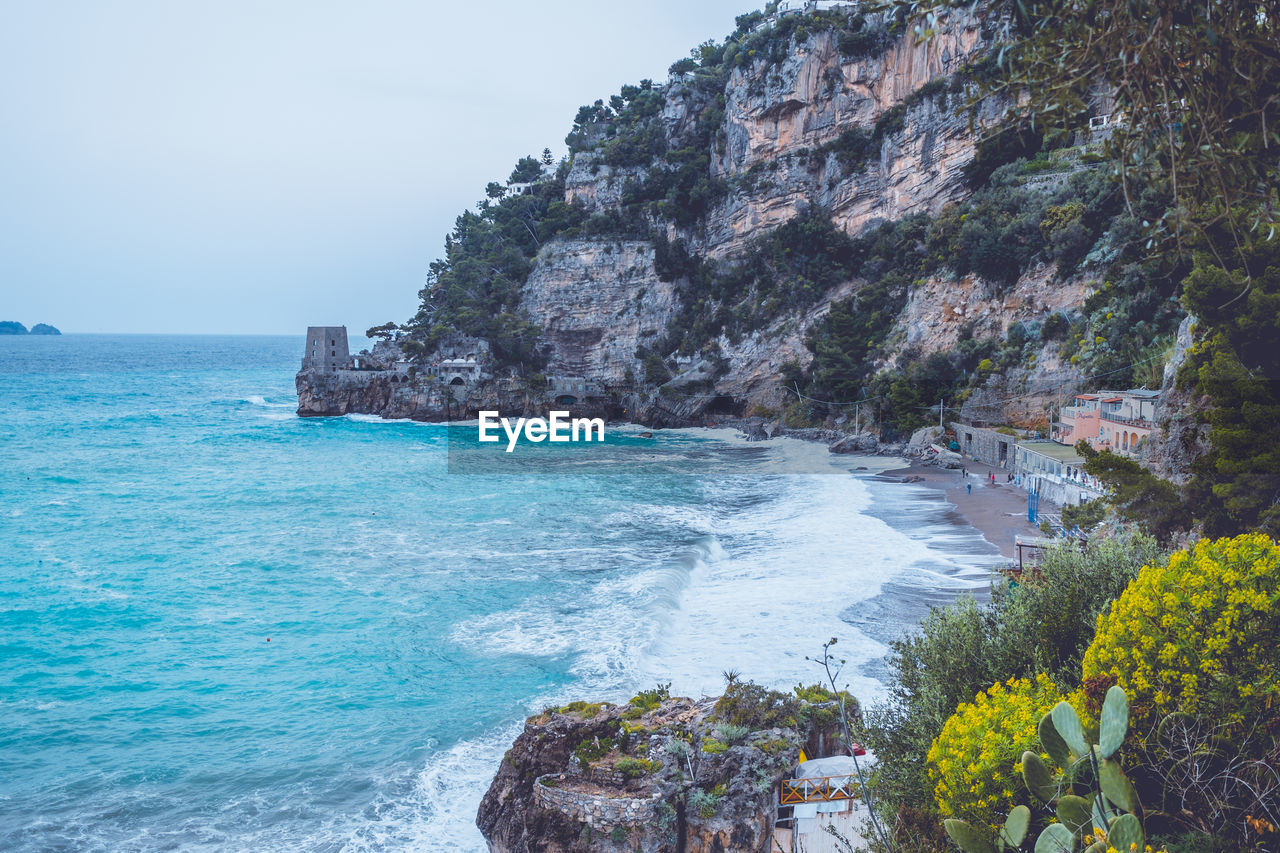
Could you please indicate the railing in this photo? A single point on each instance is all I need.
(819, 789)
(1121, 419)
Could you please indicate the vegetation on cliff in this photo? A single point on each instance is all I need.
(670, 188)
(1192, 93)
(997, 233)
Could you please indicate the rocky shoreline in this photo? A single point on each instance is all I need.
(995, 509)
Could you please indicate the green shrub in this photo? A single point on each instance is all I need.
(634, 768)
(655, 370)
(754, 707)
(585, 710)
(704, 803)
(1042, 626)
(593, 749)
(1054, 613)
(814, 693)
(1137, 494)
(648, 700)
(773, 746)
(1085, 516)
(730, 733)
(711, 746)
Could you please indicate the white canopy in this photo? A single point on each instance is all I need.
(835, 765)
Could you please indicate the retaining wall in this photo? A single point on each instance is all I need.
(596, 810)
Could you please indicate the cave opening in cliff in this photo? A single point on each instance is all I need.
(566, 400)
(725, 405)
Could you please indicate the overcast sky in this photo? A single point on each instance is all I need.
(257, 167)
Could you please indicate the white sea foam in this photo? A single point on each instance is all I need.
(434, 809)
(259, 400)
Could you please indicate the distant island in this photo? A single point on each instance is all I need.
(12, 327)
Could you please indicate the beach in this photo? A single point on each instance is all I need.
(998, 510)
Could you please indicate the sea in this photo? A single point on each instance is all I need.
(224, 627)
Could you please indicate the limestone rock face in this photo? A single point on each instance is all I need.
(940, 310)
(1184, 439)
(595, 185)
(778, 117)
(596, 303)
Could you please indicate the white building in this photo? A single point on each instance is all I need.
(821, 809)
(458, 371)
(808, 7)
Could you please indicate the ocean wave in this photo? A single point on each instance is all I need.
(259, 400)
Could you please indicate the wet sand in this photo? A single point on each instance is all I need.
(998, 511)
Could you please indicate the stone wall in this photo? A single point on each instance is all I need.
(986, 445)
(596, 810)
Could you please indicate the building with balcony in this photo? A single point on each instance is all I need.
(1119, 421)
(1080, 420)
(569, 390)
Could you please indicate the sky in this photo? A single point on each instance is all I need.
(258, 167)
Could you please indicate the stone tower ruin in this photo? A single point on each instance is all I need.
(326, 349)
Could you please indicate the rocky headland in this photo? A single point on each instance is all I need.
(614, 316)
(658, 774)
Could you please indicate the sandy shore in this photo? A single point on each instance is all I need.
(998, 511)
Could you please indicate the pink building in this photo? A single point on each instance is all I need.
(1081, 420)
(1119, 421)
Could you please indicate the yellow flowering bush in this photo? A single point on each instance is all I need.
(1199, 634)
(974, 765)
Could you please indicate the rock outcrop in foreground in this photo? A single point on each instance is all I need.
(658, 774)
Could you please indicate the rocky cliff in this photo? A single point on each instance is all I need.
(654, 275)
(656, 775)
(779, 116)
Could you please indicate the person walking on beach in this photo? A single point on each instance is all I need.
(968, 488)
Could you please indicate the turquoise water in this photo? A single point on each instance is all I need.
(224, 627)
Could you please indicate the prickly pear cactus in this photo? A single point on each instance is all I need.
(1105, 810)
